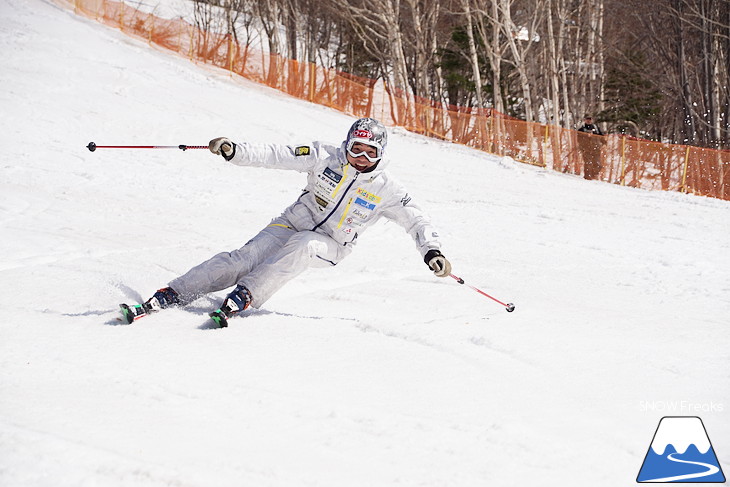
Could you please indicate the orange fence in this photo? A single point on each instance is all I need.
(620, 160)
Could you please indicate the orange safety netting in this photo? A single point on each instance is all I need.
(613, 158)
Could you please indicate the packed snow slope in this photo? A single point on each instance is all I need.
(372, 373)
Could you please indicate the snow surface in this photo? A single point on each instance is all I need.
(372, 373)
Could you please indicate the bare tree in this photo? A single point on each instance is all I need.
(473, 55)
(495, 46)
(667, 62)
(521, 37)
(689, 40)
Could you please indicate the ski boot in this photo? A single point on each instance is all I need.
(238, 300)
(162, 299)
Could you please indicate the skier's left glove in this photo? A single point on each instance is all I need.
(222, 146)
(437, 263)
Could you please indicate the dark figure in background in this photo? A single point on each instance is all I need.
(590, 143)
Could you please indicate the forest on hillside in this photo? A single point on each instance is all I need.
(658, 70)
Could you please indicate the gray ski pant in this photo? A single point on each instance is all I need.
(277, 254)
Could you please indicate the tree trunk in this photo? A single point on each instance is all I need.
(473, 56)
(689, 130)
(518, 56)
(553, 73)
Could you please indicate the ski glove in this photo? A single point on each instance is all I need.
(222, 146)
(437, 263)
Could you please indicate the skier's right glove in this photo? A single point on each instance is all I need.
(437, 263)
(222, 146)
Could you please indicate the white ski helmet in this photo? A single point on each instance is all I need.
(370, 132)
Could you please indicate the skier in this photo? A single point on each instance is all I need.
(590, 127)
(347, 191)
(590, 147)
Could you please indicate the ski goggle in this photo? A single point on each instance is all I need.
(378, 150)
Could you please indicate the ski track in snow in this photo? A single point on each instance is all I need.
(370, 373)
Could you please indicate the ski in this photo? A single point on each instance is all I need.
(131, 313)
(134, 312)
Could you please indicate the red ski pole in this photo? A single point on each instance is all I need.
(508, 306)
(92, 146)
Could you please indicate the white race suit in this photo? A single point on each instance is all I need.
(319, 229)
